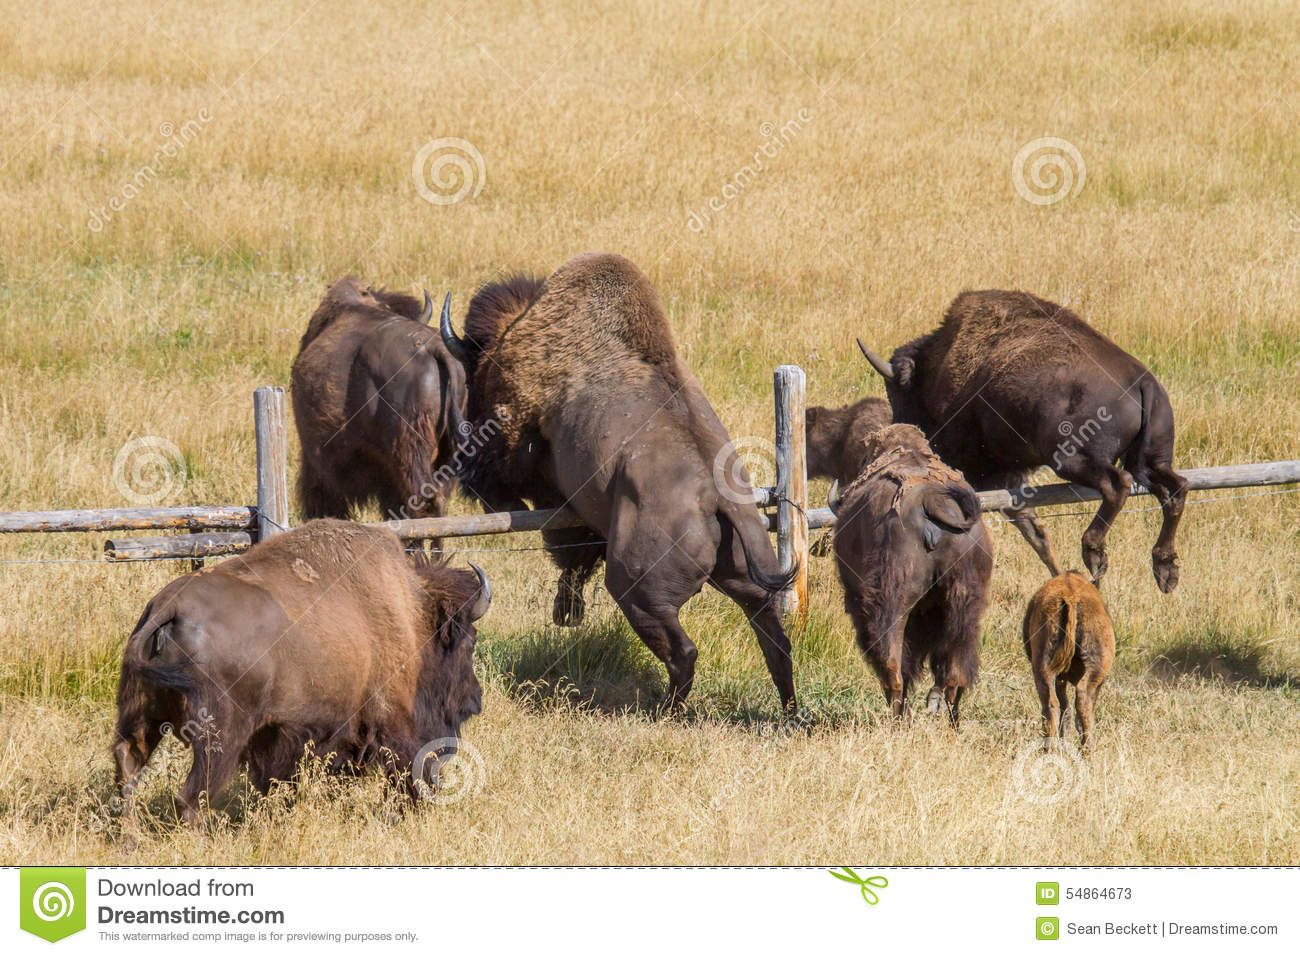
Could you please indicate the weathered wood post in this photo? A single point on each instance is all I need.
(272, 462)
(792, 487)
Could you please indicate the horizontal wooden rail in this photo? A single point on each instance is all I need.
(1198, 479)
(189, 518)
(197, 546)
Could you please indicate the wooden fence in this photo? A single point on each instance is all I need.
(214, 530)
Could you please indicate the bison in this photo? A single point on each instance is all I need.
(325, 635)
(836, 437)
(1010, 382)
(1068, 638)
(372, 386)
(587, 404)
(915, 562)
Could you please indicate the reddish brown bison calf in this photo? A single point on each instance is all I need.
(1068, 638)
(325, 634)
(915, 561)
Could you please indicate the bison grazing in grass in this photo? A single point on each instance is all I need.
(915, 561)
(836, 437)
(1010, 382)
(372, 386)
(594, 409)
(326, 635)
(1068, 638)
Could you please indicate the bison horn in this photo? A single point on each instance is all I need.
(833, 498)
(484, 594)
(449, 338)
(885, 369)
(427, 314)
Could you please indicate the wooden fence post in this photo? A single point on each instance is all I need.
(792, 487)
(272, 462)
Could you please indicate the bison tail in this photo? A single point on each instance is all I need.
(760, 560)
(1062, 641)
(147, 659)
(949, 509)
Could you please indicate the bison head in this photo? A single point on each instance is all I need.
(456, 600)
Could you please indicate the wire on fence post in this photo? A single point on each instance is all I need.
(792, 487)
(272, 464)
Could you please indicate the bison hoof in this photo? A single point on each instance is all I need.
(569, 609)
(935, 702)
(821, 547)
(1095, 560)
(1165, 568)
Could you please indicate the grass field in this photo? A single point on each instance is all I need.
(180, 184)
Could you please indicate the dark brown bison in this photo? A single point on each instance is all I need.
(326, 635)
(915, 562)
(1069, 640)
(1010, 382)
(836, 437)
(588, 405)
(372, 385)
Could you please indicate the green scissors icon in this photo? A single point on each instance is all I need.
(865, 885)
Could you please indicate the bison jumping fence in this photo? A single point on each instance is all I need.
(206, 531)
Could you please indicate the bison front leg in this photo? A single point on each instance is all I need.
(577, 552)
(1114, 486)
(217, 753)
(1032, 530)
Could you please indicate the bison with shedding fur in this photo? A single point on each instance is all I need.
(326, 634)
(915, 562)
(1010, 382)
(598, 412)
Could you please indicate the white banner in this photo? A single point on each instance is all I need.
(630, 911)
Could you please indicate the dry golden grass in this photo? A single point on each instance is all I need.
(605, 129)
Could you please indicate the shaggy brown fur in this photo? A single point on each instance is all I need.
(837, 437)
(324, 634)
(1068, 638)
(1010, 382)
(596, 411)
(373, 389)
(915, 562)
